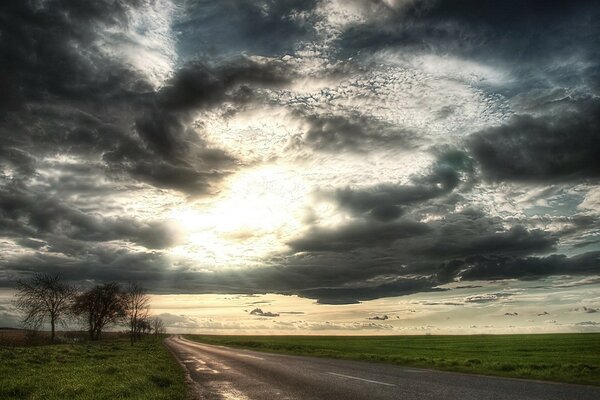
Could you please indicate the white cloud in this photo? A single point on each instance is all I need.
(147, 43)
(591, 202)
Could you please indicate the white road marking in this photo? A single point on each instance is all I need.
(249, 356)
(201, 368)
(360, 379)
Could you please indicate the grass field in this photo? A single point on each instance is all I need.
(108, 369)
(571, 358)
(22, 337)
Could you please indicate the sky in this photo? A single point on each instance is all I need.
(308, 166)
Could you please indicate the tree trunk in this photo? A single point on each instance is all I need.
(91, 326)
(52, 330)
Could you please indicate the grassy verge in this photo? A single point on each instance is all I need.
(573, 358)
(110, 369)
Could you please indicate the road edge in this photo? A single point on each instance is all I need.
(193, 389)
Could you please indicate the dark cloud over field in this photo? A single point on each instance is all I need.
(434, 140)
(543, 148)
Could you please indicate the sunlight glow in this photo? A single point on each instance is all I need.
(250, 220)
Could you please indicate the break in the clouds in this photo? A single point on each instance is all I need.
(340, 151)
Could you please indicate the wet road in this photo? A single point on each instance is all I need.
(219, 372)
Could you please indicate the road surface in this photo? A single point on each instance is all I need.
(218, 372)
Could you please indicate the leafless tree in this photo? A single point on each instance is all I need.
(44, 298)
(100, 306)
(137, 307)
(158, 326)
(143, 327)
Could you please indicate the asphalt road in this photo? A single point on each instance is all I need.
(219, 372)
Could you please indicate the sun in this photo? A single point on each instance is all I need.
(252, 218)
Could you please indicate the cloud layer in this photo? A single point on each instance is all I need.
(340, 151)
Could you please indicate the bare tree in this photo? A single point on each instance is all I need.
(143, 327)
(44, 298)
(158, 326)
(137, 306)
(100, 306)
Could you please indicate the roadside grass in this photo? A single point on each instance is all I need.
(573, 358)
(23, 337)
(107, 369)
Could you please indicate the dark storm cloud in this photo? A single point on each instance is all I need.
(20, 160)
(329, 280)
(350, 295)
(472, 233)
(40, 48)
(516, 240)
(500, 267)
(188, 163)
(50, 82)
(357, 235)
(196, 85)
(95, 263)
(219, 29)
(387, 202)
(381, 253)
(163, 124)
(30, 216)
(72, 98)
(66, 100)
(561, 146)
(355, 133)
(30, 243)
(515, 34)
(174, 155)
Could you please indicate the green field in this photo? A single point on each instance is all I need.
(571, 358)
(108, 369)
